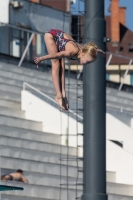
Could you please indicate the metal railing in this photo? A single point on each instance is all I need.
(128, 67)
(42, 51)
(18, 42)
(46, 96)
(108, 62)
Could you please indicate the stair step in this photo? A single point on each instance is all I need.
(26, 78)
(23, 70)
(36, 155)
(13, 82)
(44, 179)
(17, 89)
(12, 112)
(119, 94)
(10, 88)
(36, 145)
(30, 72)
(34, 166)
(10, 104)
(121, 107)
(10, 96)
(29, 135)
(20, 123)
(54, 180)
(120, 100)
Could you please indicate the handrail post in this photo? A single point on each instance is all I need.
(122, 82)
(24, 85)
(78, 76)
(26, 49)
(109, 60)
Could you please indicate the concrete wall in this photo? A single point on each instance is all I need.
(39, 18)
(4, 39)
(4, 11)
(117, 130)
(54, 121)
(119, 160)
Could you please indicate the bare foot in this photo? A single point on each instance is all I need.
(61, 103)
(66, 102)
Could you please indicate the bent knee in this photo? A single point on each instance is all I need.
(55, 63)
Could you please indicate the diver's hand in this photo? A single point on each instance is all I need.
(37, 60)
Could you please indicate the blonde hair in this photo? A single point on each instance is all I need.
(90, 49)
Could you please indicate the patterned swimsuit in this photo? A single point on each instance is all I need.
(60, 41)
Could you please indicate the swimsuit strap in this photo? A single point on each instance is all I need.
(72, 58)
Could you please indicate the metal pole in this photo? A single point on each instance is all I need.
(26, 49)
(125, 74)
(94, 105)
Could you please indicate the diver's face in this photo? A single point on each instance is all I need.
(86, 59)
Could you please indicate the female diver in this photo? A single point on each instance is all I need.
(60, 45)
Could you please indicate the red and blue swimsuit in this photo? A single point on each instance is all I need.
(59, 39)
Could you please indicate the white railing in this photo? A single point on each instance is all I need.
(45, 95)
(128, 67)
(108, 62)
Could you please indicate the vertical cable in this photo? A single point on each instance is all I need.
(68, 131)
(0, 168)
(79, 86)
(77, 108)
(61, 132)
(68, 134)
(60, 152)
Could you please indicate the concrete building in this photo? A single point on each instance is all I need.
(29, 17)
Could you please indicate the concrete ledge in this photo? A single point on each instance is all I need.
(13, 197)
(120, 189)
(110, 176)
(43, 191)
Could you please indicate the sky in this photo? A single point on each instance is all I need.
(126, 3)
